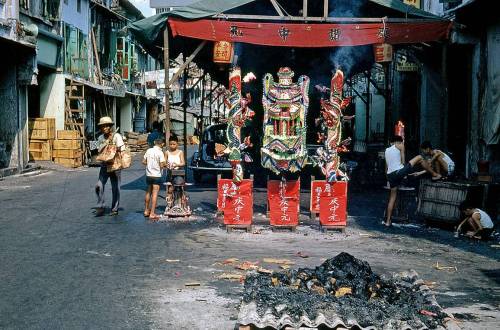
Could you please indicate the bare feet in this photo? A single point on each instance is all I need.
(154, 217)
(436, 177)
(146, 213)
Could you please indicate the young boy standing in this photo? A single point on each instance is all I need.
(154, 159)
(396, 171)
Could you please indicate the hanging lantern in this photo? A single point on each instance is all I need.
(383, 52)
(223, 52)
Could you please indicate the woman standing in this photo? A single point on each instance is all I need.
(108, 137)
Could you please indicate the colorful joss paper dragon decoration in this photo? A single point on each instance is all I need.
(327, 157)
(238, 114)
(285, 109)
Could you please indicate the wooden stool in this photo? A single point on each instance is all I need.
(401, 208)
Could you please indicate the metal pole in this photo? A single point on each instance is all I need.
(202, 105)
(166, 64)
(388, 100)
(211, 100)
(368, 101)
(184, 108)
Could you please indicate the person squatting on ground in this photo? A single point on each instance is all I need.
(439, 161)
(154, 159)
(175, 160)
(396, 171)
(477, 223)
(108, 137)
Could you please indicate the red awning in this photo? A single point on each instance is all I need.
(311, 35)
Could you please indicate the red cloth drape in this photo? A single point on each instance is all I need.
(310, 35)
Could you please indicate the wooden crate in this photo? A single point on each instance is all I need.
(68, 135)
(66, 153)
(67, 144)
(69, 162)
(439, 201)
(40, 149)
(42, 128)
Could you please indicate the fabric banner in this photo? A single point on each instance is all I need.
(310, 35)
(321, 188)
(283, 199)
(236, 201)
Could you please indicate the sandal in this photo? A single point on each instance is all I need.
(113, 213)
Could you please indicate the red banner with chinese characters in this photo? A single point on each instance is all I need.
(332, 203)
(283, 198)
(236, 201)
(321, 188)
(311, 35)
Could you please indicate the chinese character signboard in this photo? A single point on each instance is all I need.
(330, 201)
(414, 3)
(223, 52)
(284, 202)
(236, 201)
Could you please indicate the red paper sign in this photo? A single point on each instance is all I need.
(236, 201)
(333, 211)
(283, 198)
(321, 188)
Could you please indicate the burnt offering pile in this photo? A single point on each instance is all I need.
(343, 291)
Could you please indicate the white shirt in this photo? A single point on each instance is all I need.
(485, 219)
(393, 159)
(117, 140)
(154, 156)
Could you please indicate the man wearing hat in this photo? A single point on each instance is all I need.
(108, 136)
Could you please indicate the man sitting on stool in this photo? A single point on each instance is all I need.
(396, 171)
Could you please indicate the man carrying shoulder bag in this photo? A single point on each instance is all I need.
(110, 148)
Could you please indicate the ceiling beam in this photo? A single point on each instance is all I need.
(323, 19)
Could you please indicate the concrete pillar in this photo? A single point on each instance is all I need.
(126, 114)
(52, 98)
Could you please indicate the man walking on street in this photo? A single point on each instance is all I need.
(108, 137)
(396, 171)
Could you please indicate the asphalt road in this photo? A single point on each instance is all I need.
(62, 268)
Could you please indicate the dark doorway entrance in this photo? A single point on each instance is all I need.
(459, 93)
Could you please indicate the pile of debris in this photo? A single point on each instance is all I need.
(136, 141)
(342, 292)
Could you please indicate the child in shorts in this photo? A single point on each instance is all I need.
(154, 159)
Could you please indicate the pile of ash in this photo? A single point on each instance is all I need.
(345, 289)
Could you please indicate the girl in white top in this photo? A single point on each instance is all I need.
(478, 220)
